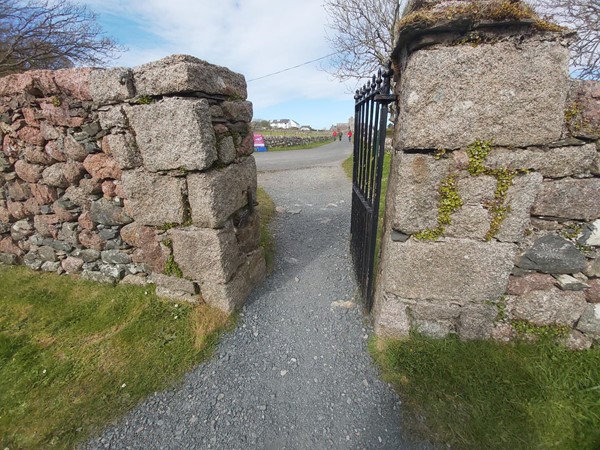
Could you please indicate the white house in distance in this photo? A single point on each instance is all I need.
(284, 123)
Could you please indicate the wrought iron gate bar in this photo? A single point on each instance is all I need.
(370, 119)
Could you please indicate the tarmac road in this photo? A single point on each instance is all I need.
(327, 155)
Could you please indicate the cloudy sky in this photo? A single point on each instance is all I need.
(253, 37)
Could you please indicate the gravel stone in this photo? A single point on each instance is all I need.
(295, 373)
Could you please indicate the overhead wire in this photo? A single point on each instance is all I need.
(290, 68)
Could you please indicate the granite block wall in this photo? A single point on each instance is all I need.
(133, 175)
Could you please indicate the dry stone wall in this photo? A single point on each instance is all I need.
(492, 227)
(133, 175)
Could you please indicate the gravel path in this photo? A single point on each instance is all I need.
(296, 373)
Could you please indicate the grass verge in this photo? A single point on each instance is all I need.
(266, 210)
(75, 355)
(300, 147)
(486, 395)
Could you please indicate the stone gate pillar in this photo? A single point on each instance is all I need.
(481, 143)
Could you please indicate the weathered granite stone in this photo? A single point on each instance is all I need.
(247, 231)
(73, 149)
(215, 195)
(591, 234)
(31, 173)
(123, 149)
(47, 253)
(552, 254)
(586, 95)
(592, 295)
(149, 250)
(552, 163)
(111, 85)
(97, 277)
(51, 266)
(530, 282)
(519, 199)
(484, 95)
(232, 295)
(177, 74)
(8, 259)
(503, 332)
(71, 264)
(135, 280)
(415, 181)
(63, 175)
(240, 111)
(36, 155)
(116, 271)
(578, 341)
(191, 145)
(107, 212)
(175, 288)
(115, 257)
(90, 240)
(569, 199)
(390, 317)
(569, 283)
(553, 307)
(21, 229)
(462, 270)
(46, 225)
(112, 117)
(9, 247)
(439, 329)
(88, 255)
(205, 254)
(590, 321)
(101, 166)
(226, 150)
(18, 191)
(32, 261)
(469, 222)
(154, 199)
(43, 194)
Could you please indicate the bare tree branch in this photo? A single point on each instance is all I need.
(49, 34)
(582, 16)
(362, 34)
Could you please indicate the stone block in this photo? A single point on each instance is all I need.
(111, 85)
(75, 82)
(586, 95)
(519, 199)
(476, 321)
(592, 295)
(186, 141)
(589, 323)
(530, 282)
(178, 74)
(569, 199)
(63, 175)
(552, 307)
(459, 270)
(215, 195)
(390, 317)
(154, 199)
(107, 212)
(237, 111)
(31, 173)
(552, 254)
(101, 166)
(452, 95)
(414, 197)
(98, 277)
(247, 231)
(175, 288)
(226, 150)
(112, 117)
(578, 341)
(551, 163)
(231, 295)
(469, 222)
(36, 155)
(205, 254)
(71, 264)
(123, 149)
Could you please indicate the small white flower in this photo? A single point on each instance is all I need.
(176, 317)
(123, 385)
(44, 371)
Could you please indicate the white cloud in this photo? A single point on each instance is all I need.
(253, 37)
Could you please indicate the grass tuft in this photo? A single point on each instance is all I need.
(74, 355)
(482, 394)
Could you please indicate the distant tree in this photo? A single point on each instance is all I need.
(362, 33)
(47, 34)
(583, 16)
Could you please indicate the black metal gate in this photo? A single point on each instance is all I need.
(370, 120)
